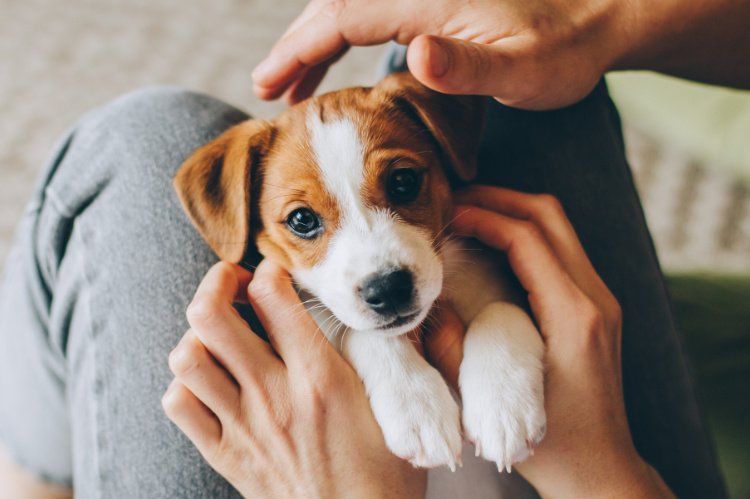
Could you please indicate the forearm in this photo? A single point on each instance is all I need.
(703, 40)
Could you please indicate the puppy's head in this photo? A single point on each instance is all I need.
(350, 191)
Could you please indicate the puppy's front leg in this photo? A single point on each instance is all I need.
(409, 398)
(501, 380)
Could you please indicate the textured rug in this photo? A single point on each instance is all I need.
(60, 59)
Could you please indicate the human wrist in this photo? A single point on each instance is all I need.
(616, 474)
(631, 479)
(386, 488)
(395, 480)
(635, 480)
(699, 40)
(649, 33)
(606, 28)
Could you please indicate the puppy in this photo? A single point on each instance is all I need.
(351, 192)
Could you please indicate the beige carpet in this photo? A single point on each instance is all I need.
(59, 59)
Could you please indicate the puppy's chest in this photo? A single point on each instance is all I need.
(473, 277)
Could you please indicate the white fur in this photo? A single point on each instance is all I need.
(410, 400)
(368, 240)
(501, 376)
(340, 157)
(501, 381)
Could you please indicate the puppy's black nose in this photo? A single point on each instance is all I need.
(390, 292)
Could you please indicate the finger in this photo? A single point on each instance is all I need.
(305, 86)
(311, 10)
(544, 210)
(195, 368)
(529, 254)
(444, 343)
(219, 326)
(314, 41)
(192, 417)
(454, 66)
(291, 330)
(319, 38)
(548, 214)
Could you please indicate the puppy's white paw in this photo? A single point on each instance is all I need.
(501, 381)
(505, 424)
(419, 419)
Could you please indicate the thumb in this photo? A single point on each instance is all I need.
(454, 66)
(292, 332)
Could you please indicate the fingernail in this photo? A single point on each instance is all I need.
(438, 59)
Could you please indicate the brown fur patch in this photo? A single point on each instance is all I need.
(292, 180)
(286, 176)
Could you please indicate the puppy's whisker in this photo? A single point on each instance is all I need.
(311, 300)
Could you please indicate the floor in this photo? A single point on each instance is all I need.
(59, 59)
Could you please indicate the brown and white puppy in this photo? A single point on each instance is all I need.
(350, 192)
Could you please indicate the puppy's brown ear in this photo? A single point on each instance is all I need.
(456, 121)
(214, 186)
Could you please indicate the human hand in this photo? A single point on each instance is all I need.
(290, 419)
(587, 450)
(533, 55)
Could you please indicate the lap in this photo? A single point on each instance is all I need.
(112, 263)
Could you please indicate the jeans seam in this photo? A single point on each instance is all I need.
(90, 339)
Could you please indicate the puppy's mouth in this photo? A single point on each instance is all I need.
(400, 321)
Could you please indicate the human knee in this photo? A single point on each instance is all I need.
(166, 106)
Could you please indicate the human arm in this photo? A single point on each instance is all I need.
(287, 420)
(533, 55)
(701, 40)
(19, 483)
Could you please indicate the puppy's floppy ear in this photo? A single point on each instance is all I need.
(456, 121)
(214, 186)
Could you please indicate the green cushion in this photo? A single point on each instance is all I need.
(713, 311)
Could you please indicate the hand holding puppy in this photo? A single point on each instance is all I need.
(587, 450)
(288, 421)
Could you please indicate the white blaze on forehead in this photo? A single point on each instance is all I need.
(340, 156)
(369, 240)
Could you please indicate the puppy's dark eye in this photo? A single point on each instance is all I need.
(304, 223)
(403, 185)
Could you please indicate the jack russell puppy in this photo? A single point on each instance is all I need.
(351, 192)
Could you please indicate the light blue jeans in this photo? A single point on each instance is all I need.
(105, 262)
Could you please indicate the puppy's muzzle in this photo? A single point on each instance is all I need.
(389, 293)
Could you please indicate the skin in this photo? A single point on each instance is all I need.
(533, 55)
(272, 424)
(19, 483)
